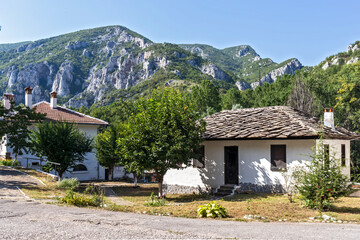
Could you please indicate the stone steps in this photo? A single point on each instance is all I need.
(224, 190)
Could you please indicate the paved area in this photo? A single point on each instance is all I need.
(10, 182)
(27, 219)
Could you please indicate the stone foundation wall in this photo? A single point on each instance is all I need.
(244, 187)
(179, 189)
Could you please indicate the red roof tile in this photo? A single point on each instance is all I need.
(63, 114)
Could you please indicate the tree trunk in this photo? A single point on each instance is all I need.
(16, 157)
(135, 180)
(160, 179)
(111, 174)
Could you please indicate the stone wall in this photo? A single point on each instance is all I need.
(245, 187)
(177, 189)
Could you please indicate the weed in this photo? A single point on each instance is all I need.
(68, 184)
(154, 201)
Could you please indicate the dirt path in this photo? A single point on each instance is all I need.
(11, 182)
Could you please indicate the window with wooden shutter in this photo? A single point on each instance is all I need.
(278, 157)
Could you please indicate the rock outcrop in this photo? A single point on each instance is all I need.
(242, 85)
(215, 72)
(289, 68)
(353, 47)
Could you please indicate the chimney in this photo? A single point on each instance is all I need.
(53, 100)
(28, 97)
(8, 98)
(329, 118)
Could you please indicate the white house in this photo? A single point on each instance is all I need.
(249, 149)
(89, 169)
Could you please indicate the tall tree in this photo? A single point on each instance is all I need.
(164, 134)
(105, 145)
(206, 97)
(60, 142)
(231, 98)
(301, 97)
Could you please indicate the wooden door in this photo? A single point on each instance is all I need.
(231, 165)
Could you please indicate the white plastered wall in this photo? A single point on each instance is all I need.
(254, 163)
(335, 150)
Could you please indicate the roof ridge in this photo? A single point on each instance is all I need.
(84, 114)
(72, 111)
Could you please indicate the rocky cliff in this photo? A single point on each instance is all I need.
(85, 66)
(89, 65)
(289, 67)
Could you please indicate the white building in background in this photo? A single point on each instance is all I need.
(89, 169)
(251, 150)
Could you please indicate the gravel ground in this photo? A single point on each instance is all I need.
(29, 219)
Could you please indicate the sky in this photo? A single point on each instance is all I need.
(307, 30)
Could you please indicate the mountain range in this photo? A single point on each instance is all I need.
(104, 64)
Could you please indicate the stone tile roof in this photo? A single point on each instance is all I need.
(64, 114)
(278, 122)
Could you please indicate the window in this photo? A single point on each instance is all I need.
(327, 155)
(343, 159)
(278, 157)
(80, 168)
(199, 162)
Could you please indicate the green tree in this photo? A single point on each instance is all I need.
(321, 182)
(205, 97)
(163, 134)
(231, 98)
(105, 145)
(17, 121)
(60, 142)
(132, 150)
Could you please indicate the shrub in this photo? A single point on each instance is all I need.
(155, 201)
(82, 200)
(8, 162)
(321, 182)
(68, 184)
(212, 209)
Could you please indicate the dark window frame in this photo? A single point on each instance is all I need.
(277, 147)
(80, 168)
(200, 158)
(343, 155)
(327, 155)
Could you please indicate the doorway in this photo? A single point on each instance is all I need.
(231, 165)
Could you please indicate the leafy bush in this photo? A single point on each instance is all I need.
(321, 182)
(155, 201)
(94, 190)
(68, 184)
(47, 167)
(82, 200)
(212, 209)
(8, 162)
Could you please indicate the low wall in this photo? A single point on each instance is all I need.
(180, 189)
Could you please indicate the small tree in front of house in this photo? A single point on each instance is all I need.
(62, 143)
(17, 121)
(321, 182)
(132, 151)
(163, 134)
(105, 144)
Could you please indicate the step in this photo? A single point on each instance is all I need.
(227, 187)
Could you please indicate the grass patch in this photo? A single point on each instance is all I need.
(273, 207)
